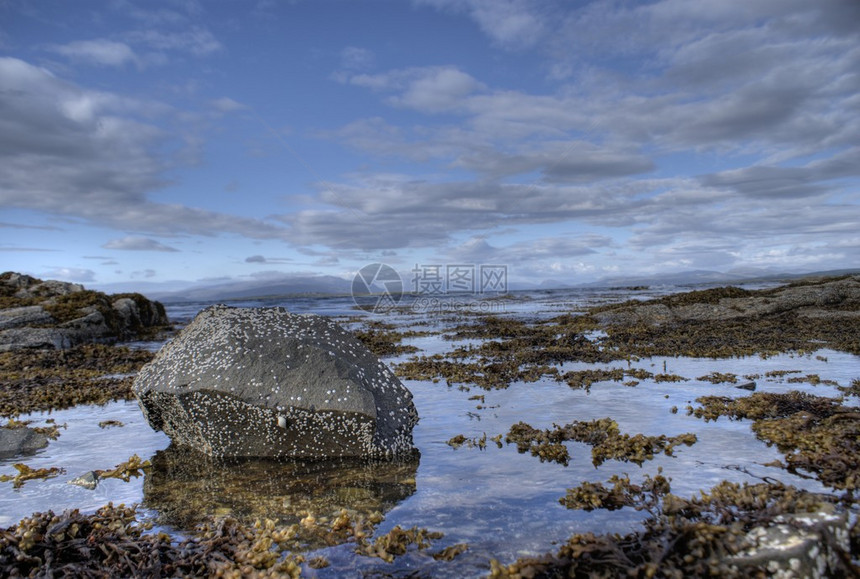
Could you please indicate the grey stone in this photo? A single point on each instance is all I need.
(139, 313)
(798, 545)
(23, 440)
(37, 338)
(89, 480)
(50, 288)
(24, 316)
(261, 382)
(25, 286)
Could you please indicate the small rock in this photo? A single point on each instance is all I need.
(88, 480)
(798, 545)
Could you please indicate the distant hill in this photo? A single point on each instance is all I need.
(304, 284)
(696, 277)
(289, 285)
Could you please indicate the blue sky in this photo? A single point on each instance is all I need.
(182, 140)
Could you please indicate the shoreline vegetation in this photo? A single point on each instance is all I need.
(709, 534)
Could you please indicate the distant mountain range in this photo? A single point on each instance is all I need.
(696, 277)
(301, 284)
(287, 285)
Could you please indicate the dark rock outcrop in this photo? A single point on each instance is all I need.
(58, 315)
(261, 382)
(23, 440)
(821, 299)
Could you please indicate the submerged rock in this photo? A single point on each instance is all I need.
(261, 382)
(186, 487)
(23, 440)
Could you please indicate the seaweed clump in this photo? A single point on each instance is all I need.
(383, 340)
(112, 542)
(133, 467)
(816, 435)
(589, 496)
(397, 541)
(32, 380)
(696, 537)
(603, 435)
(26, 473)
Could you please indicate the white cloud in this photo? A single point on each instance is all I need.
(197, 40)
(263, 259)
(25, 226)
(134, 243)
(429, 89)
(437, 90)
(15, 248)
(95, 156)
(72, 274)
(356, 58)
(227, 105)
(510, 23)
(100, 51)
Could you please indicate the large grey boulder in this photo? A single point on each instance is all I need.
(261, 382)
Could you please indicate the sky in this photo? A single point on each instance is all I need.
(167, 141)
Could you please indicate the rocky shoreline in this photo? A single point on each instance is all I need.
(37, 314)
(729, 529)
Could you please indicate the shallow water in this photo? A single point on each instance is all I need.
(502, 503)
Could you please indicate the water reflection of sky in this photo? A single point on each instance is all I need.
(502, 503)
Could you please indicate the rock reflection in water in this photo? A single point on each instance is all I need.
(185, 487)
